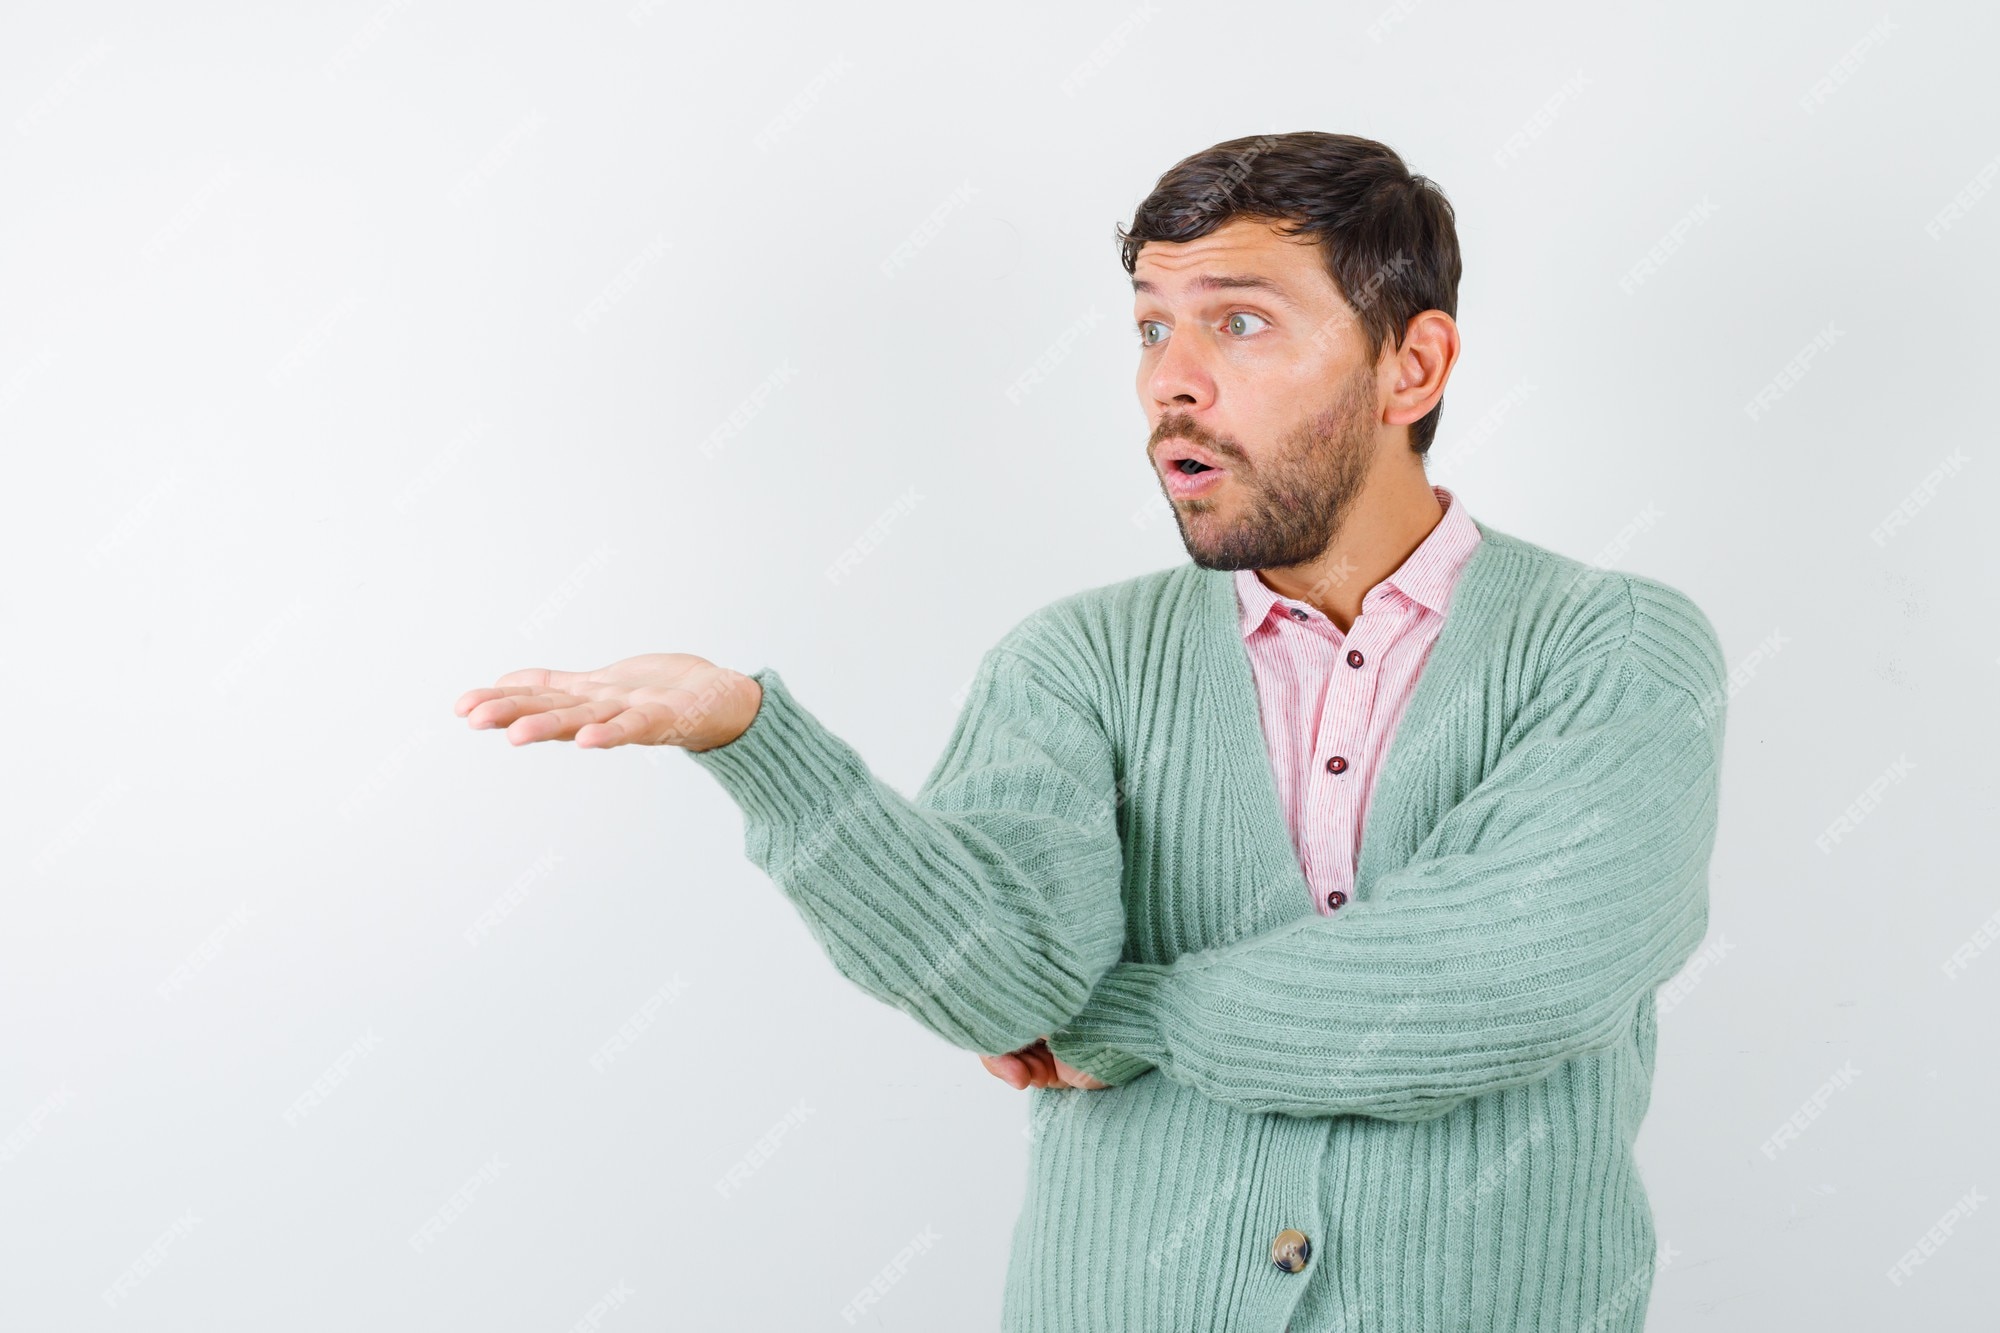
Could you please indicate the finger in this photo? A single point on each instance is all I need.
(640, 722)
(503, 711)
(1042, 1065)
(471, 699)
(1006, 1068)
(559, 724)
(1076, 1078)
(1023, 1073)
(1059, 1073)
(541, 678)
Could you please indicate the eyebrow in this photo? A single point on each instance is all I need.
(1209, 282)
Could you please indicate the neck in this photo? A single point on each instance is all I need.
(1393, 512)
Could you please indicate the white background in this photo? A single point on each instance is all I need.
(351, 355)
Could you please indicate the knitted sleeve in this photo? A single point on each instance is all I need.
(987, 906)
(1535, 917)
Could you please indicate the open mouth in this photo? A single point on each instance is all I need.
(1187, 458)
(1186, 478)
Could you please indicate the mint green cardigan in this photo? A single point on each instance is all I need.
(1438, 1086)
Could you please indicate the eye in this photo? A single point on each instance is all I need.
(1242, 315)
(1146, 324)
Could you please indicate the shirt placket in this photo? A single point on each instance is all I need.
(1336, 775)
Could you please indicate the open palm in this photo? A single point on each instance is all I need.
(653, 699)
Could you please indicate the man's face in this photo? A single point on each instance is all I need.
(1250, 361)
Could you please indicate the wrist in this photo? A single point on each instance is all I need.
(737, 701)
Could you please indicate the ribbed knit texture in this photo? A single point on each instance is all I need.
(1439, 1084)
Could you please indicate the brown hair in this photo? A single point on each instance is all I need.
(1387, 235)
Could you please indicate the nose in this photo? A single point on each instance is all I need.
(1178, 378)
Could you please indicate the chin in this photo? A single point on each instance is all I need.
(1213, 557)
(1203, 547)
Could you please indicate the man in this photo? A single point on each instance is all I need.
(1286, 1075)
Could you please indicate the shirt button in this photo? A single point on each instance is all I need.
(1290, 1250)
(1334, 898)
(1336, 765)
(1296, 613)
(1354, 657)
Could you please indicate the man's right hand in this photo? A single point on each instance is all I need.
(655, 699)
(1036, 1065)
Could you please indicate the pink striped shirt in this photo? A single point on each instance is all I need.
(1331, 701)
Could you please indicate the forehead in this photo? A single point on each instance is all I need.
(1238, 246)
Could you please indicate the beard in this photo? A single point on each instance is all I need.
(1291, 507)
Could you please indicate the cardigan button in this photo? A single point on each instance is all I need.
(1334, 898)
(1290, 1250)
(1354, 657)
(1336, 765)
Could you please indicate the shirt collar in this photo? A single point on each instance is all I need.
(1425, 577)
